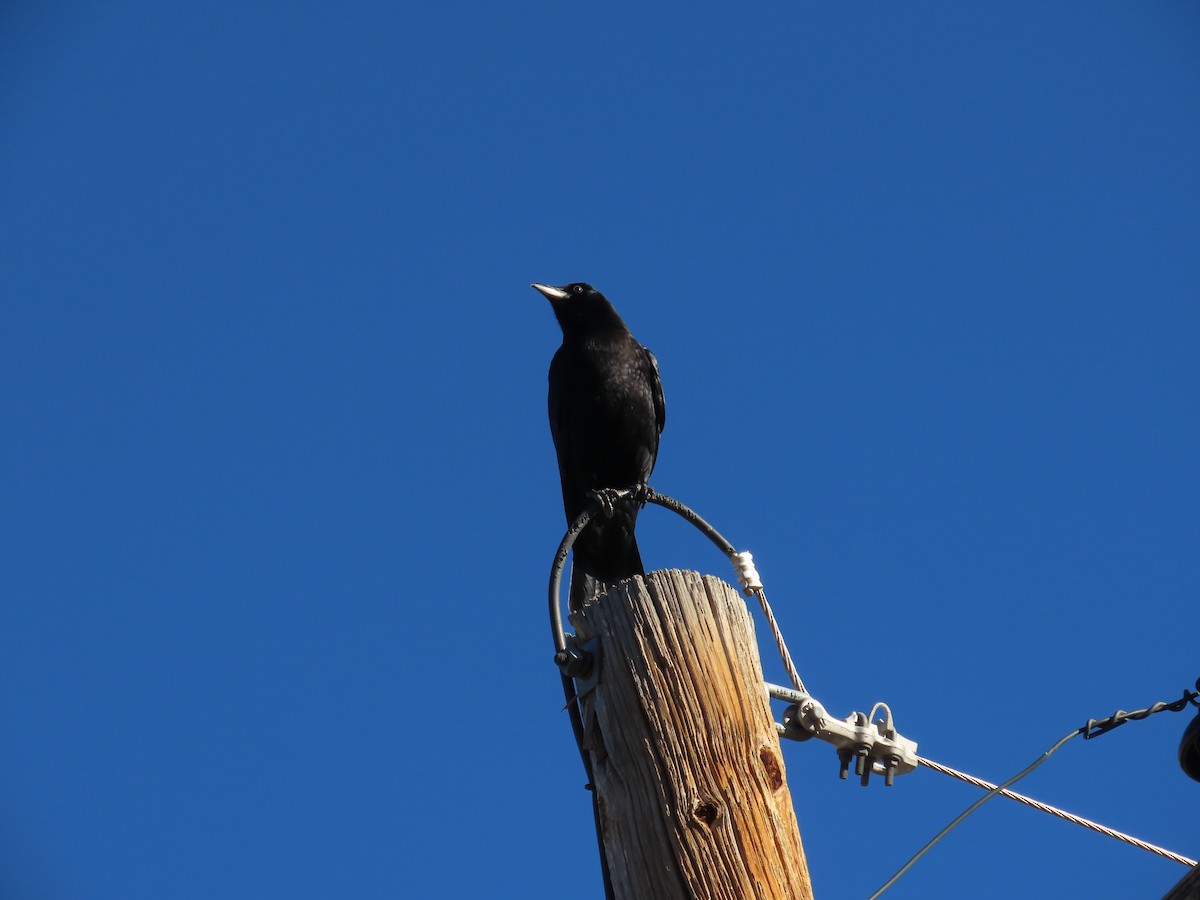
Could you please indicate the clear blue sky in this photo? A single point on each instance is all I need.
(279, 499)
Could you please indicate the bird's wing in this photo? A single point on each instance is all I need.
(656, 389)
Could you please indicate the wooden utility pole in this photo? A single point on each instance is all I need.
(686, 764)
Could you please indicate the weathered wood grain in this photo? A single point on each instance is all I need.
(686, 761)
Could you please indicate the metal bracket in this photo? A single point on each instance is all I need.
(876, 747)
(581, 662)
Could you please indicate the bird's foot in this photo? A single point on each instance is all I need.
(642, 494)
(606, 499)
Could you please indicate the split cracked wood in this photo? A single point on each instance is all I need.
(692, 794)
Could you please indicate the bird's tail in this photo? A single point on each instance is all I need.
(605, 553)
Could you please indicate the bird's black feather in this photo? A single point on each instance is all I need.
(606, 414)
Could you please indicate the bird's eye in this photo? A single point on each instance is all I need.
(578, 288)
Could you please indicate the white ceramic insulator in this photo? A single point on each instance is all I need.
(743, 564)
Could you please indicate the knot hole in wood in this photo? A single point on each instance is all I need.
(772, 768)
(706, 811)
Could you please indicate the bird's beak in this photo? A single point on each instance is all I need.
(550, 293)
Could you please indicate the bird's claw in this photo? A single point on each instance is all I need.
(606, 499)
(642, 494)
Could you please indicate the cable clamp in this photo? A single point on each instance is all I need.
(874, 746)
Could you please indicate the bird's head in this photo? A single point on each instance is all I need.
(573, 292)
(580, 306)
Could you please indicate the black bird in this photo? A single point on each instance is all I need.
(606, 415)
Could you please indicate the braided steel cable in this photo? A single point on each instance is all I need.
(788, 665)
(995, 789)
(1093, 728)
(1054, 811)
